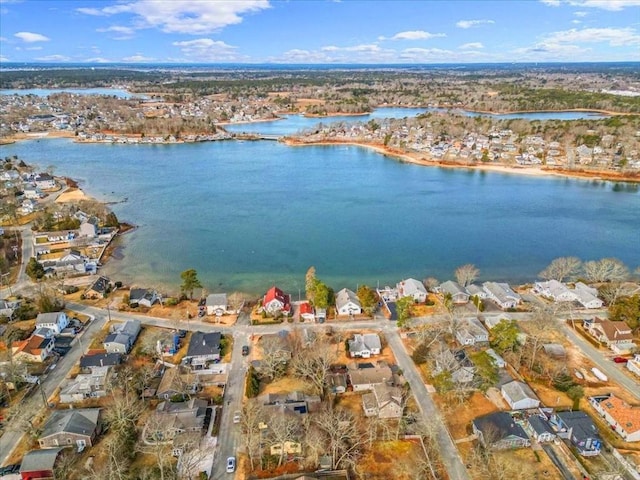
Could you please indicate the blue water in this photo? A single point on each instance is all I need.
(45, 92)
(290, 124)
(247, 215)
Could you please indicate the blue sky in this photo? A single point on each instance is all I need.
(319, 31)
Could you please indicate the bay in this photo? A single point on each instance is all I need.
(45, 92)
(247, 215)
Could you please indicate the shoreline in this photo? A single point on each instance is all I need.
(419, 159)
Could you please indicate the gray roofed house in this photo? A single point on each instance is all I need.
(580, 429)
(180, 417)
(56, 321)
(587, 296)
(555, 290)
(99, 288)
(123, 337)
(365, 377)
(412, 288)
(364, 345)
(471, 332)
(348, 303)
(142, 296)
(293, 402)
(203, 349)
(216, 304)
(519, 395)
(78, 426)
(500, 431)
(501, 294)
(539, 429)
(40, 462)
(87, 362)
(457, 292)
(476, 291)
(384, 402)
(554, 350)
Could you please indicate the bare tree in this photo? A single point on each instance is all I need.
(283, 428)
(466, 274)
(605, 270)
(314, 364)
(191, 455)
(430, 283)
(561, 269)
(251, 422)
(275, 353)
(343, 440)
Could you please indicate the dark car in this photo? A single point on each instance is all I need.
(9, 469)
(182, 333)
(245, 350)
(620, 359)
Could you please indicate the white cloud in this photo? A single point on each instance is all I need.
(208, 50)
(581, 14)
(53, 58)
(3, 58)
(138, 58)
(576, 22)
(615, 37)
(416, 35)
(123, 33)
(426, 54)
(612, 5)
(472, 46)
(31, 37)
(363, 53)
(3, 39)
(473, 23)
(369, 48)
(549, 51)
(183, 16)
(97, 60)
(33, 48)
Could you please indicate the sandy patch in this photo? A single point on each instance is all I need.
(72, 195)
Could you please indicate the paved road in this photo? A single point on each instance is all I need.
(448, 450)
(555, 459)
(608, 367)
(53, 379)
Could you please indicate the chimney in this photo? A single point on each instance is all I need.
(101, 362)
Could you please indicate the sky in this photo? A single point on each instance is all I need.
(319, 31)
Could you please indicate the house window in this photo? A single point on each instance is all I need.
(69, 441)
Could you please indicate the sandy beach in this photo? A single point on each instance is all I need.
(418, 158)
(72, 195)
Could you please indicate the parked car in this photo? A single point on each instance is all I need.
(236, 416)
(231, 464)
(245, 350)
(9, 469)
(620, 359)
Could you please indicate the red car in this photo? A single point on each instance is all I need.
(620, 359)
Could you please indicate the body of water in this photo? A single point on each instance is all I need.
(45, 92)
(247, 215)
(290, 124)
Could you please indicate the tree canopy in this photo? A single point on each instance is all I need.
(505, 336)
(626, 309)
(34, 269)
(190, 282)
(368, 298)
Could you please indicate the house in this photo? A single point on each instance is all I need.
(216, 304)
(321, 315)
(363, 346)
(276, 301)
(501, 294)
(608, 332)
(142, 297)
(458, 294)
(384, 402)
(471, 332)
(554, 290)
(412, 288)
(86, 385)
(476, 291)
(39, 464)
(6, 309)
(348, 303)
(633, 365)
(175, 418)
(365, 376)
(203, 349)
(579, 429)
(177, 381)
(519, 395)
(554, 350)
(337, 382)
(498, 361)
(623, 418)
(89, 362)
(587, 296)
(292, 402)
(89, 228)
(79, 427)
(457, 364)
(56, 321)
(32, 193)
(45, 181)
(500, 431)
(306, 312)
(98, 289)
(36, 348)
(122, 337)
(539, 429)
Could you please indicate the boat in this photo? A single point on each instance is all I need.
(599, 374)
(579, 375)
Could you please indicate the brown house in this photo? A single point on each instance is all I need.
(77, 427)
(608, 332)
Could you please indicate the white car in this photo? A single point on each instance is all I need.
(231, 464)
(236, 416)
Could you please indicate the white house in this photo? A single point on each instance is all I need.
(363, 346)
(347, 303)
(32, 193)
(633, 365)
(587, 296)
(45, 181)
(555, 290)
(501, 294)
(470, 331)
(276, 301)
(216, 304)
(539, 429)
(458, 293)
(412, 288)
(519, 395)
(623, 418)
(56, 321)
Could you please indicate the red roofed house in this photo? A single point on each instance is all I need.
(275, 301)
(36, 348)
(623, 418)
(306, 312)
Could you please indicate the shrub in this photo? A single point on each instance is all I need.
(171, 302)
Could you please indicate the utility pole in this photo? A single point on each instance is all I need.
(44, 397)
